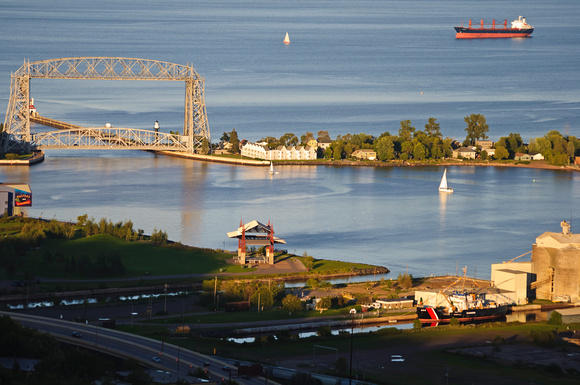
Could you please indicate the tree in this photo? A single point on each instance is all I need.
(476, 127)
(291, 303)
(406, 131)
(501, 153)
(385, 147)
(328, 152)
(432, 128)
(324, 303)
(308, 261)
(235, 142)
(323, 135)
(570, 149)
(263, 298)
(513, 143)
(337, 148)
(406, 149)
(540, 145)
(288, 139)
(204, 146)
(225, 137)
(405, 280)
(419, 151)
(304, 139)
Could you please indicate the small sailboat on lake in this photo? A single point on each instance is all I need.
(443, 185)
(287, 39)
(271, 169)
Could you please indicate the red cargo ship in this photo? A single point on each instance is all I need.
(519, 28)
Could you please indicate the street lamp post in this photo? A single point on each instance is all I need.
(156, 128)
(132, 314)
(165, 305)
(352, 314)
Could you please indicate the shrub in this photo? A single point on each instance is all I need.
(324, 331)
(417, 325)
(542, 338)
(555, 318)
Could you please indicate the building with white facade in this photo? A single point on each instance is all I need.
(257, 151)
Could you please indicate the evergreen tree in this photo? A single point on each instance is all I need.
(235, 142)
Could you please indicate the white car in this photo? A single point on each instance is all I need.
(155, 359)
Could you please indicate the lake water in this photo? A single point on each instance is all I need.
(351, 67)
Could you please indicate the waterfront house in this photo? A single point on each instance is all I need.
(253, 150)
(484, 144)
(364, 154)
(464, 152)
(324, 143)
(522, 156)
(312, 143)
(490, 151)
(308, 153)
(537, 156)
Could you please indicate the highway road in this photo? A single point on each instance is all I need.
(173, 359)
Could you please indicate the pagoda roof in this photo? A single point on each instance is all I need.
(255, 230)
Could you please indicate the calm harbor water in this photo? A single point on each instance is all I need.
(393, 217)
(351, 67)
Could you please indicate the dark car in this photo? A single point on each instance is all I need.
(76, 335)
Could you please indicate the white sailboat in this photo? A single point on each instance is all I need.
(443, 185)
(271, 169)
(287, 39)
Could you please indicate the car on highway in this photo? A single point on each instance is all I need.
(76, 334)
(155, 359)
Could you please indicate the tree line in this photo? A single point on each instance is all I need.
(33, 232)
(409, 143)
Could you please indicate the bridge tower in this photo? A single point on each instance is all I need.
(16, 135)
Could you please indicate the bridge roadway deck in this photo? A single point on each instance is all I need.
(35, 118)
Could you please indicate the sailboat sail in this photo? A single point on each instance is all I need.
(271, 168)
(287, 39)
(443, 185)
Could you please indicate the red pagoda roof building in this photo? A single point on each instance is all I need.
(255, 233)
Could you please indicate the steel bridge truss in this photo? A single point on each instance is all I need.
(108, 138)
(16, 134)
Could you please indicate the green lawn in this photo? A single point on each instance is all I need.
(142, 258)
(138, 258)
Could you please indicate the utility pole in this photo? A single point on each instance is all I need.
(165, 305)
(215, 293)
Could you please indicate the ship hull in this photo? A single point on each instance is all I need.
(427, 314)
(483, 33)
